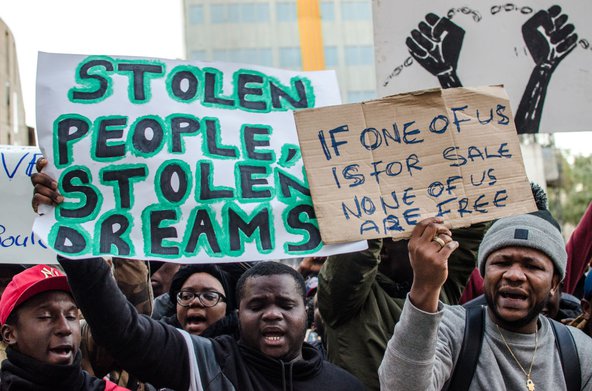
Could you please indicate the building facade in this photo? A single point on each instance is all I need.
(13, 128)
(265, 32)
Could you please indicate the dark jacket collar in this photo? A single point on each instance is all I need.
(255, 371)
(21, 372)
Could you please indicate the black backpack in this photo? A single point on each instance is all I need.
(471, 347)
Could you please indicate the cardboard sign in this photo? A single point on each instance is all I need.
(18, 243)
(171, 160)
(540, 51)
(377, 168)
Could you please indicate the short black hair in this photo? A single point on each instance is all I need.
(269, 268)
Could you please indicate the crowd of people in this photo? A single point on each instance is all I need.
(481, 308)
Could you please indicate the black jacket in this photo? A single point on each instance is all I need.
(23, 373)
(168, 357)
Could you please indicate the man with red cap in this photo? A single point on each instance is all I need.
(40, 325)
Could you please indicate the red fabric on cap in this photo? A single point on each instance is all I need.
(28, 283)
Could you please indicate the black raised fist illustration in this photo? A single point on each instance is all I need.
(549, 39)
(436, 45)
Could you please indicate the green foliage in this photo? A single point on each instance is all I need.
(569, 200)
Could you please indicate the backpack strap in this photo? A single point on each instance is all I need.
(469, 352)
(568, 352)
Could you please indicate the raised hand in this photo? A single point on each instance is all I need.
(429, 247)
(436, 45)
(548, 37)
(46, 188)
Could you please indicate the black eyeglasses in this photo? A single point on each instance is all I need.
(207, 298)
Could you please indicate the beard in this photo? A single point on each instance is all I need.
(519, 323)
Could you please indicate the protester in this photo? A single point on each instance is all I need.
(204, 300)
(582, 322)
(161, 276)
(522, 259)
(579, 252)
(7, 272)
(270, 353)
(40, 325)
(361, 294)
(473, 292)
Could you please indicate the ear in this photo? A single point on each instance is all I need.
(9, 334)
(555, 283)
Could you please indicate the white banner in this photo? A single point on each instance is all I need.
(540, 51)
(18, 243)
(179, 161)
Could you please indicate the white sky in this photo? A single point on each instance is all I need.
(150, 28)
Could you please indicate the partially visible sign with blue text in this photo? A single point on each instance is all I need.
(18, 243)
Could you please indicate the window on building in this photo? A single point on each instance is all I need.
(331, 56)
(239, 13)
(327, 10)
(197, 55)
(196, 15)
(360, 96)
(359, 55)
(290, 58)
(218, 13)
(286, 11)
(258, 56)
(356, 10)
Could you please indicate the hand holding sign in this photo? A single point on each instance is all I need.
(430, 247)
(436, 46)
(45, 191)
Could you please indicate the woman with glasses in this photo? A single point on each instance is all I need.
(203, 295)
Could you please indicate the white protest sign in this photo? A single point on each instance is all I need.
(179, 161)
(540, 51)
(18, 243)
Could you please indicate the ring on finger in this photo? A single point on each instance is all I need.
(439, 240)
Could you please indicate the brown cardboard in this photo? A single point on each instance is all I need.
(425, 159)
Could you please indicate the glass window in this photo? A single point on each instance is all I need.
(197, 55)
(218, 13)
(259, 56)
(290, 58)
(262, 13)
(220, 55)
(360, 96)
(248, 13)
(286, 12)
(356, 10)
(331, 56)
(327, 10)
(196, 15)
(359, 55)
(239, 13)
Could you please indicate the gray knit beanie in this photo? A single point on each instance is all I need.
(525, 231)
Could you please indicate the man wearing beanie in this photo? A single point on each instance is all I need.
(522, 260)
(40, 325)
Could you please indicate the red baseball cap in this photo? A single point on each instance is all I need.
(28, 283)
